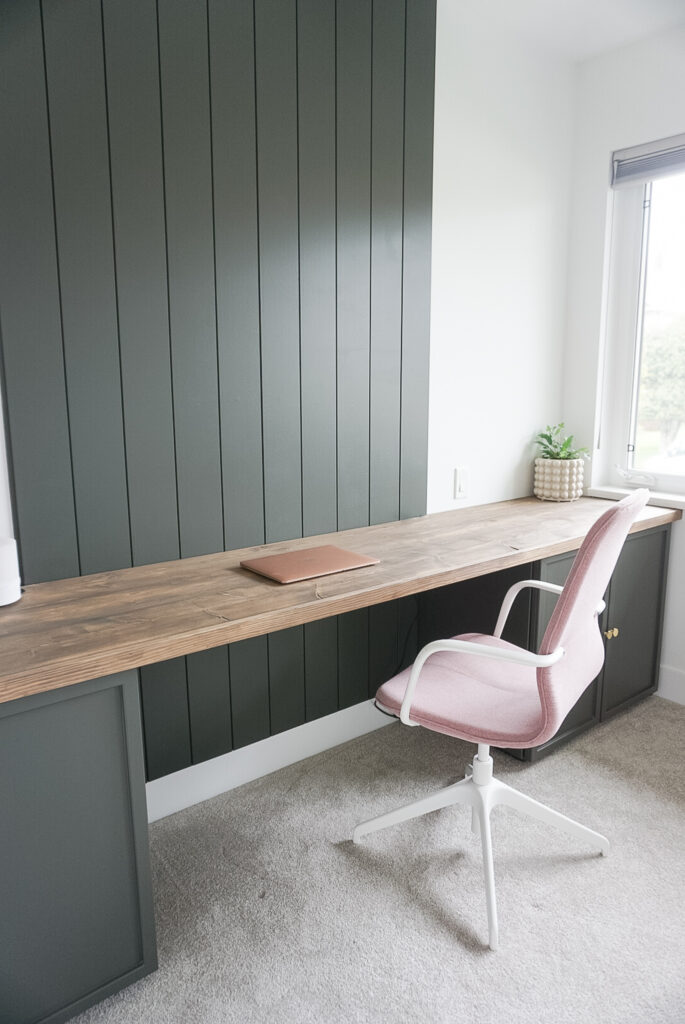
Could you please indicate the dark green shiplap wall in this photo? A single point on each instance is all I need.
(215, 289)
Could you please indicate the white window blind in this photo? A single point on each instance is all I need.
(653, 160)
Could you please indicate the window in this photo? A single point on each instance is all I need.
(642, 436)
(657, 428)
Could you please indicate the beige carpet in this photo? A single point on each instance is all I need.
(267, 913)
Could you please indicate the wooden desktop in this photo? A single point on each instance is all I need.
(67, 631)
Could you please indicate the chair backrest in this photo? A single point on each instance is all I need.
(574, 623)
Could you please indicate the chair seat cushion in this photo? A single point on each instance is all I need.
(472, 697)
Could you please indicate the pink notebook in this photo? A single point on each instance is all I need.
(307, 563)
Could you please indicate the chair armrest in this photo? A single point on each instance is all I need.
(513, 592)
(516, 655)
(511, 595)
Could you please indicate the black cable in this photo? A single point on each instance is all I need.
(410, 629)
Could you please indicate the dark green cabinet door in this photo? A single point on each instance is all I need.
(586, 711)
(77, 920)
(635, 609)
(634, 600)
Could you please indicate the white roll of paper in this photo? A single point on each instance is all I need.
(10, 583)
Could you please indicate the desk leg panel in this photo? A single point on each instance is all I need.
(77, 918)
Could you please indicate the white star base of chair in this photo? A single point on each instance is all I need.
(482, 792)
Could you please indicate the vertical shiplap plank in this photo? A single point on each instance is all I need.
(249, 686)
(383, 644)
(321, 668)
(387, 158)
(250, 701)
(286, 673)
(184, 77)
(276, 77)
(353, 655)
(353, 196)
(187, 150)
(408, 631)
(276, 91)
(353, 258)
(164, 699)
(317, 149)
(209, 703)
(83, 207)
(418, 185)
(232, 82)
(286, 679)
(387, 174)
(237, 267)
(132, 76)
(33, 367)
(317, 203)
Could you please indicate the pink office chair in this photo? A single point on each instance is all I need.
(485, 690)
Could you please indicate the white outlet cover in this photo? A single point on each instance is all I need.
(461, 482)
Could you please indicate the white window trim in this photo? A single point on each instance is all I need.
(610, 473)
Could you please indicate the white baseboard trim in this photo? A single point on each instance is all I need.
(672, 683)
(201, 781)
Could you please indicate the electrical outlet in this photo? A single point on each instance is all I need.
(461, 482)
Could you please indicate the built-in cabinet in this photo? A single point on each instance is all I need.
(77, 921)
(631, 624)
(634, 619)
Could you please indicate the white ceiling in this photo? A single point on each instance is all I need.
(578, 29)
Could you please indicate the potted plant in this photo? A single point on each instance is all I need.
(559, 467)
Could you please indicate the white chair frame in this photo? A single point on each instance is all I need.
(479, 790)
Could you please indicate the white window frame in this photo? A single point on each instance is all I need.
(612, 464)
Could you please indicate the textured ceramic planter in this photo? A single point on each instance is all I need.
(558, 479)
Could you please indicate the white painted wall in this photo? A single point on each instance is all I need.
(503, 136)
(625, 98)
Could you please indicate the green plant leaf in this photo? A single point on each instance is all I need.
(553, 445)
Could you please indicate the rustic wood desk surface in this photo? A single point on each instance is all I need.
(71, 630)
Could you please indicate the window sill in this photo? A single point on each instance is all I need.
(660, 498)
